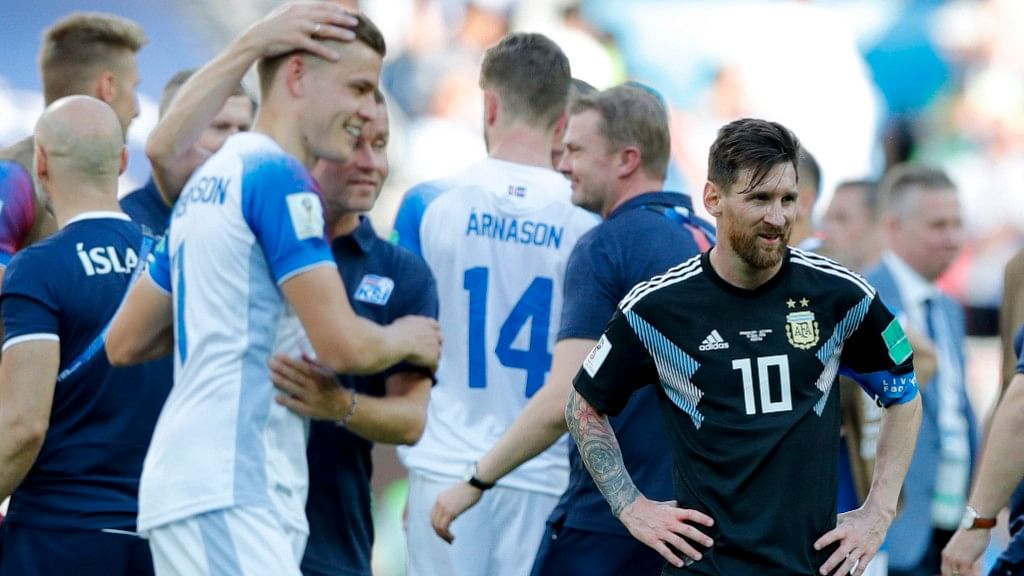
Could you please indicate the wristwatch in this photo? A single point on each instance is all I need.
(972, 520)
(472, 479)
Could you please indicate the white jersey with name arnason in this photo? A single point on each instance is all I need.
(497, 237)
(248, 220)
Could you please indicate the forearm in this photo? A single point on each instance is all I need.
(367, 348)
(1002, 468)
(896, 442)
(600, 452)
(536, 428)
(393, 419)
(170, 146)
(19, 447)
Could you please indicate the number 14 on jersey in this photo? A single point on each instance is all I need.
(534, 306)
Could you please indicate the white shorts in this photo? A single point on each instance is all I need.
(241, 541)
(497, 537)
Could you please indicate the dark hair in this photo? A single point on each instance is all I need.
(179, 79)
(750, 143)
(632, 116)
(808, 171)
(82, 45)
(365, 30)
(532, 76)
(901, 178)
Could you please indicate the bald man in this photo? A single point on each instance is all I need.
(74, 429)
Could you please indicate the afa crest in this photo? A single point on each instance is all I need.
(802, 329)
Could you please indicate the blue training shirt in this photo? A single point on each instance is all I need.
(67, 288)
(383, 283)
(645, 236)
(147, 207)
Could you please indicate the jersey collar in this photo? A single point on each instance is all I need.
(672, 199)
(99, 214)
(362, 238)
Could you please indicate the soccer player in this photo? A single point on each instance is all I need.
(384, 282)
(244, 259)
(617, 154)
(148, 205)
(497, 237)
(85, 53)
(745, 342)
(75, 430)
(1001, 475)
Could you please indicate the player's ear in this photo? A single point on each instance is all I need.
(124, 161)
(629, 159)
(106, 87)
(296, 71)
(40, 163)
(713, 198)
(491, 107)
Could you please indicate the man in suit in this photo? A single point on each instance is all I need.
(920, 212)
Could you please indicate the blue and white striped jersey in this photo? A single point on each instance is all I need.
(497, 237)
(248, 220)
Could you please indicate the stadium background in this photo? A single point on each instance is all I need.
(862, 82)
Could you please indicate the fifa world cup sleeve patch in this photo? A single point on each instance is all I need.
(896, 342)
(597, 356)
(306, 214)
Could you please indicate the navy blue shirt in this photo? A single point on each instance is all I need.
(384, 283)
(67, 288)
(641, 238)
(1015, 551)
(147, 207)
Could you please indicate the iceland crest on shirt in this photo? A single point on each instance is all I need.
(375, 289)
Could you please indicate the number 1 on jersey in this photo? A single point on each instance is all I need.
(535, 305)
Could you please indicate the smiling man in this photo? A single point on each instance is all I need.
(223, 487)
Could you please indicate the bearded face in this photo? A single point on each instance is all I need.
(763, 246)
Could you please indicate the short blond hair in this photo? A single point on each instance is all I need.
(79, 47)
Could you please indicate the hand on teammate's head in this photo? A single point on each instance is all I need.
(303, 26)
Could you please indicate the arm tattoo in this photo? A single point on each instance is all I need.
(600, 452)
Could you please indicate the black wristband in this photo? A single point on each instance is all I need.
(479, 484)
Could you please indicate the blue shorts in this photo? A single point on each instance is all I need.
(566, 550)
(31, 551)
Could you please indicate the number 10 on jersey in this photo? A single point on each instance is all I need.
(533, 306)
(764, 364)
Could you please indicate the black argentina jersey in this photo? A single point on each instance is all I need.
(748, 397)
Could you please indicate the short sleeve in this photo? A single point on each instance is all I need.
(420, 300)
(159, 266)
(879, 357)
(618, 365)
(590, 293)
(17, 209)
(283, 208)
(406, 231)
(28, 306)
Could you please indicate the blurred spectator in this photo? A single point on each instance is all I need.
(850, 232)
(921, 216)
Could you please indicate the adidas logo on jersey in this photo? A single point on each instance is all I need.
(713, 341)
